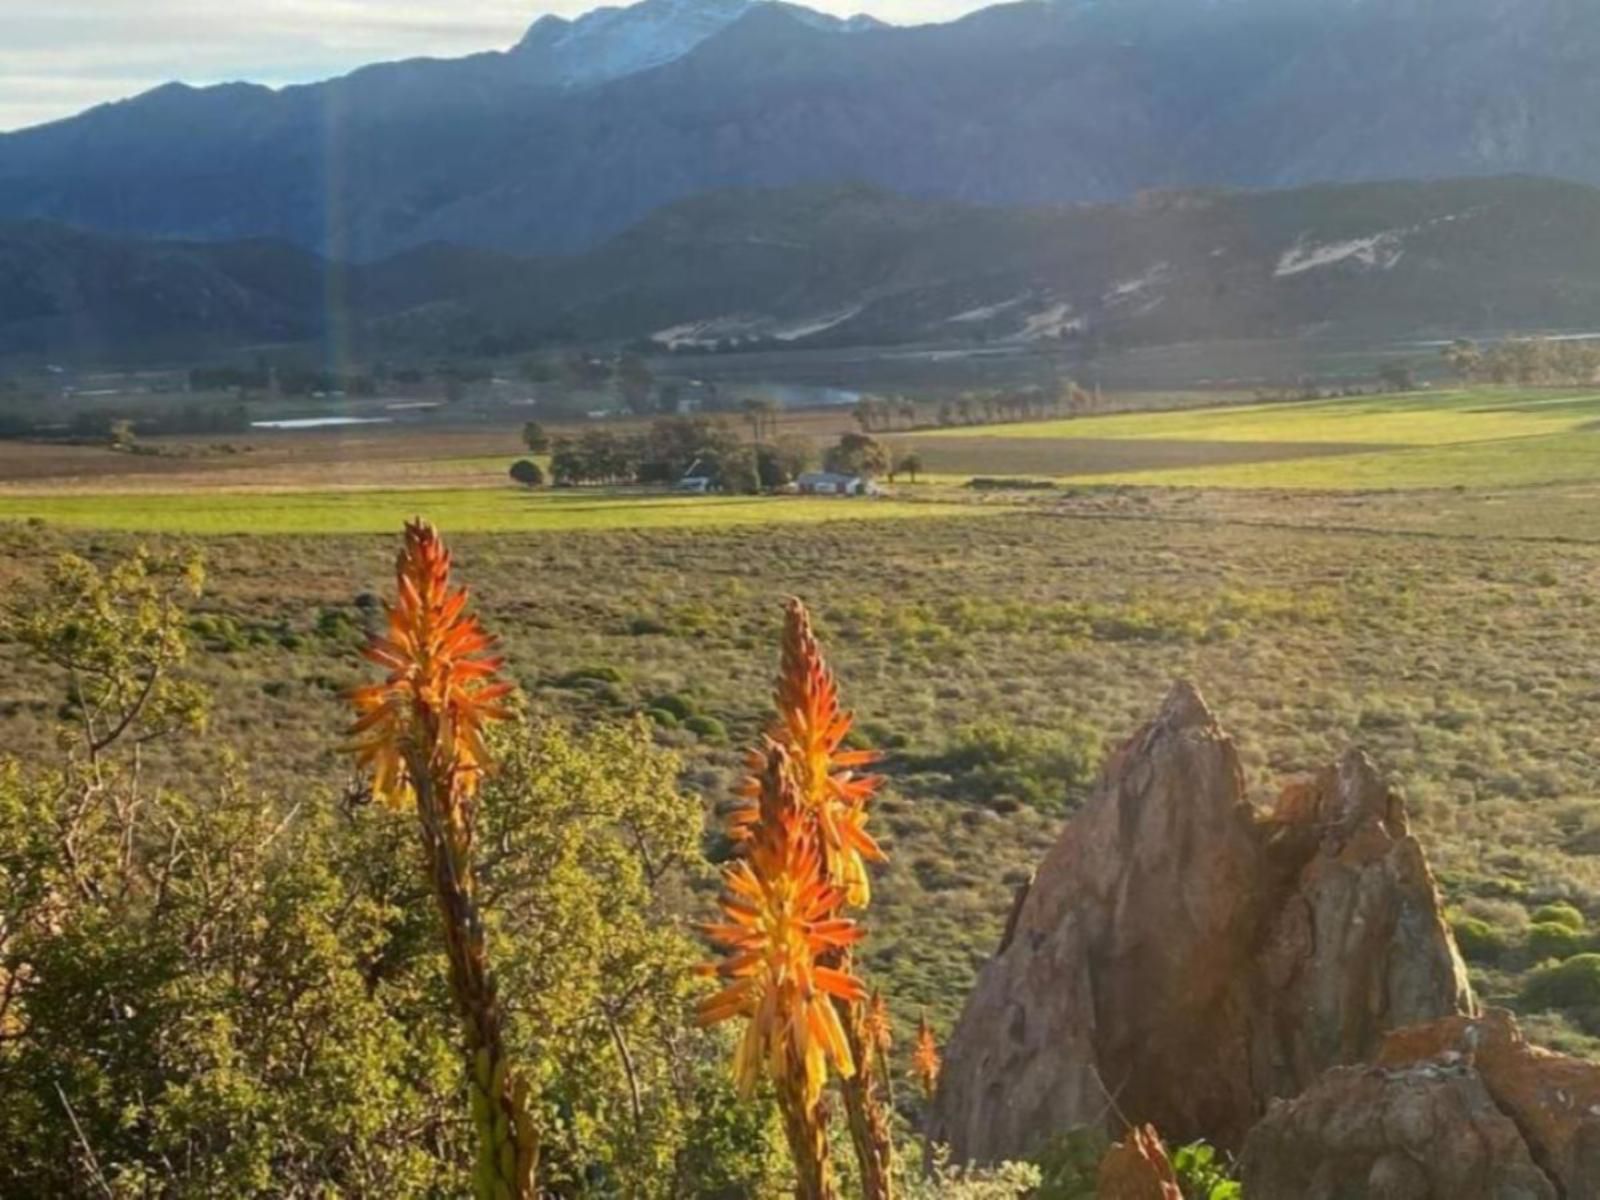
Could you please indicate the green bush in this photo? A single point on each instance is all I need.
(1070, 1165)
(994, 762)
(1560, 913)
(663, 717)
(1574, 983)
(679, 706)
(1550, 939)
(708, 728)
(1202, 1174)
(1479, 941)
(587, 676)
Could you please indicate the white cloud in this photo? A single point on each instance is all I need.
(60, 57)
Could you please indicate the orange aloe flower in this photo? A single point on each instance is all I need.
(780, 918)
(875, 1024)
(925, 1062)
(440, 690)
(812, 727)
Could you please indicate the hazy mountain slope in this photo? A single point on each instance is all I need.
(815, 266)
(1035, 102)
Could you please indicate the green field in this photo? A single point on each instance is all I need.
(1413, 419)
(464, 510)
(1432, 440)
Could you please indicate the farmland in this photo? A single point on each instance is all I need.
(994, 645)
(1478, 438)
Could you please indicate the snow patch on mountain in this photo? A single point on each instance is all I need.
(1381, 251)
(1053, 322)
(986, 312)
(740, 328)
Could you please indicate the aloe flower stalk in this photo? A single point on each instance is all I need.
(780, 926)
(834, 796)
(420, 734)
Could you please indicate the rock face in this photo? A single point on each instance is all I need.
(1423, 1132)
(1460, 1109)
(1182, 957)
(1553, 1099)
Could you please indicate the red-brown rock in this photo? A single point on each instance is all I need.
(1184, 957)
(1553, 1099)
(1428, 1131)
(1137, 1169)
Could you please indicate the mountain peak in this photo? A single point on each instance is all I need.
(608, 43)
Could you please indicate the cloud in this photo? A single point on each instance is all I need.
(67, 55)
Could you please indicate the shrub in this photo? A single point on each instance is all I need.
(994, 762)
(1202, 1174)
(588, 676)
(1070, 1164)
(708, 728)
(663, 718)
(1551, 939)
(1560, 913)
(1479, 941)
(1574, 983)
(527, 473)
(679, 706)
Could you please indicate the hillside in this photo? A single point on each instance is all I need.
(1039, 102)
(808, 267)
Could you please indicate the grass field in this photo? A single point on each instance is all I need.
(462, 510)
(994, 658)
(1497, 438)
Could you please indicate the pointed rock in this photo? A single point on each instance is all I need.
(1182, 958)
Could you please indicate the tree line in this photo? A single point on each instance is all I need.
(1526, 361)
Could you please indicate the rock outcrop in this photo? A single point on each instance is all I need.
(1423, 1132)
(1460, 1109)
(1183, 957)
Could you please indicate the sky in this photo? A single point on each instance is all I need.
(58, 57)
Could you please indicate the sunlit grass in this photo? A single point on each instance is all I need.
(1512, 462)
(1418, 419)
(474, 510)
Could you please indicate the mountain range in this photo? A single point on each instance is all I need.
(831, 265)
(587, 127)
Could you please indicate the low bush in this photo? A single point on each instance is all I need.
(1551, 939)
(1574, 983)
(1560, 913)
(1479, 941)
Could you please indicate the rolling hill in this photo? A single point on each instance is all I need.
(829, 266)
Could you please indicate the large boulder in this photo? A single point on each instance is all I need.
(1183, 957)
(1458, 1109)
(1423, 1132)
(1554, 1099)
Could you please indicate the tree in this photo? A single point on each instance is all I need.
(784, 460)
(636, 382)
(762, 413)
(527, 473)
(910, 464)
(857, 454)
(535, 438)
(1397, 377)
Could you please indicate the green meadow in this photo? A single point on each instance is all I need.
(461, 510)
(1492, 438)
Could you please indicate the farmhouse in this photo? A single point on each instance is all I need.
(832, 483)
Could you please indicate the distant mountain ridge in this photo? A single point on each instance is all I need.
(832, 266)
(609, 43)
(547, 149)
